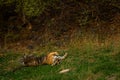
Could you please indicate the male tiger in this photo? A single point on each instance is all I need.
(52, 58)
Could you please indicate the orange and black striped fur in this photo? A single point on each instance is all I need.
(52, 58)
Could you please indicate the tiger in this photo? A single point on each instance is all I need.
(53, 58)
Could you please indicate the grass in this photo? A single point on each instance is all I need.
(85, 64)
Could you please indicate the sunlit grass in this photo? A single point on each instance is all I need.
(85, 63)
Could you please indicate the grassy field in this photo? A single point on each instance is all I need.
(84, 63)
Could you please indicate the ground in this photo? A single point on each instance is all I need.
(84, 64)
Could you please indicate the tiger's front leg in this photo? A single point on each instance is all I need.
(57, 59)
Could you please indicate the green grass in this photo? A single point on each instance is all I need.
(84, 64)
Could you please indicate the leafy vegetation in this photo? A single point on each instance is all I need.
(23, 19)
(89, 30)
